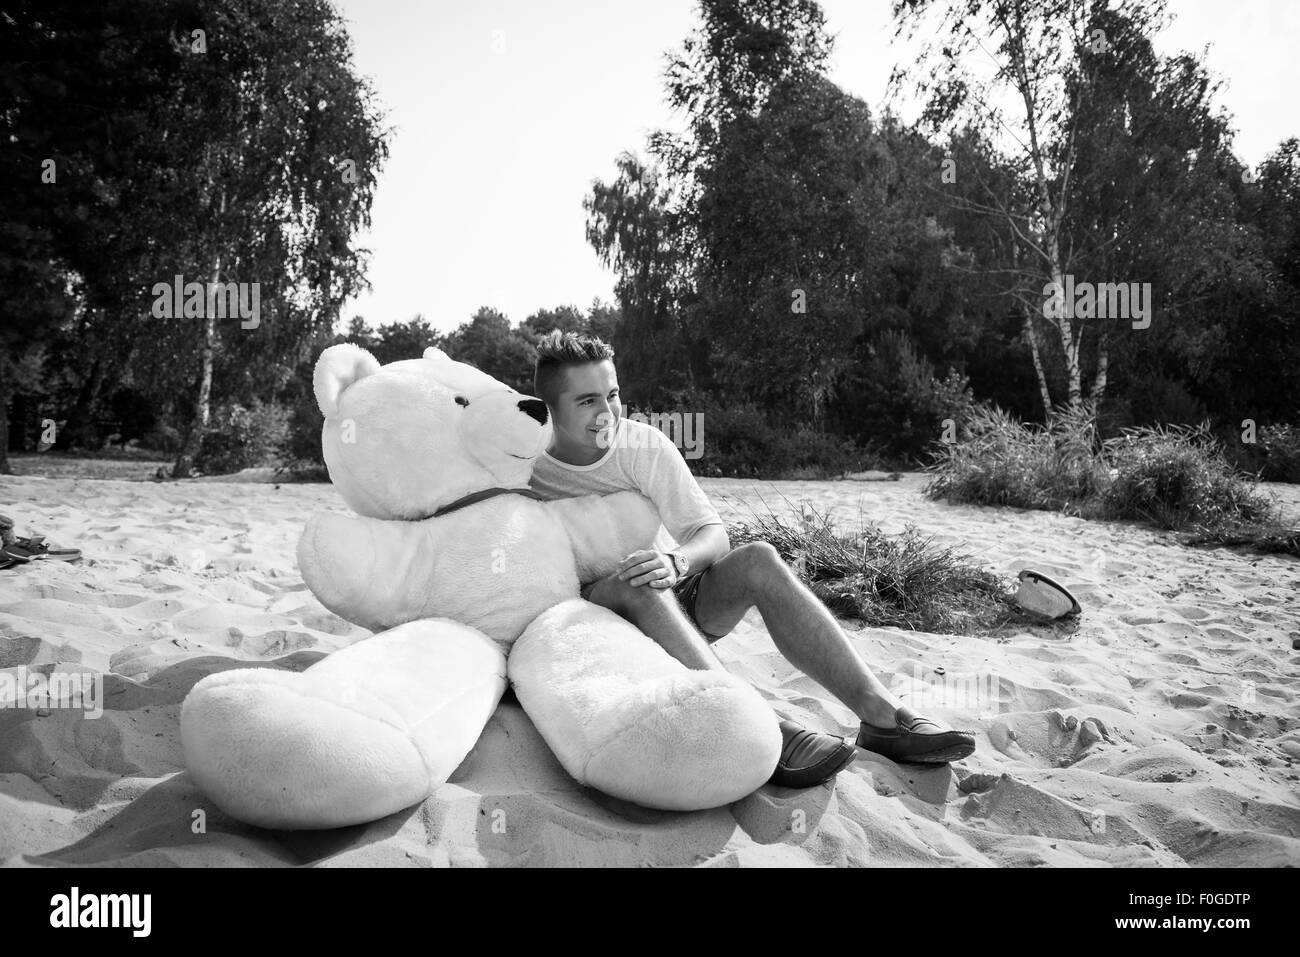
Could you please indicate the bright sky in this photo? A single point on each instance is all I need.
(506, 110)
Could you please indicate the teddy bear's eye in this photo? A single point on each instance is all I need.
(461, 400)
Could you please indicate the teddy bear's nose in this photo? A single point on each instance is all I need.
(535, 408)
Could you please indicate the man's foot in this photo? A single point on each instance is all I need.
(916, 740)
(809, 758)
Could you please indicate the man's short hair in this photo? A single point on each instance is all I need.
(556, 351)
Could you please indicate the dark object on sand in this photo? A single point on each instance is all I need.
(20, 551)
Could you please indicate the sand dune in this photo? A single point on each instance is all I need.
(1162, 731)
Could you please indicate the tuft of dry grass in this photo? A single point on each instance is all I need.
(1172, 477)
(905, 581)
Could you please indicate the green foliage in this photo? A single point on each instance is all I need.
(1172, 477)
(565, 318)
(163, 438)
(240, 437)
(635, 233)
(491, 345)
(743, 442)
(174, 163)
(1176, 477)
(893, 400)
(397, 340)
(224, 164)
(487, 341)
(302, 443)
(904, 581)
(998, 460)
(1164, 401)
(1281, 447)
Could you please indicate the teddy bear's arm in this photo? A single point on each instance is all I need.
(362, 569)
(605, 529)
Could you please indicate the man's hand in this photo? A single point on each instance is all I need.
(648, 567)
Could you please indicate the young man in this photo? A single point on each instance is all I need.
(692, 579)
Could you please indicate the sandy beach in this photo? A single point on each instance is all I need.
(1162, 730)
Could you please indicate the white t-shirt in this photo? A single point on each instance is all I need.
(640, 458)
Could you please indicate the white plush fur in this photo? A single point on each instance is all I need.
(363, 733)
(624, 716)
(465, 597)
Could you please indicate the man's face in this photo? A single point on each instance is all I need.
(588, 407)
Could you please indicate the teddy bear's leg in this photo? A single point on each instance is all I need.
(625, 717)
(365, 732)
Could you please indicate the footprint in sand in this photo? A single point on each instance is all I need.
(1049, 738)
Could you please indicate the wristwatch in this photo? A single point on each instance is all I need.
(681, 564)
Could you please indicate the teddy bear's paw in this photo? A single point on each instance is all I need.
(280, 750)
(698, 740)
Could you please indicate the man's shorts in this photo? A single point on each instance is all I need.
(687, 591)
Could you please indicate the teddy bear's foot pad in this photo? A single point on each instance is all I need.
(368, 731)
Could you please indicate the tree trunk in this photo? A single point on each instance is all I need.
(1103, 363)
(1069, 346)
(1043, 391)
(184, 467)
(79, 425)
(5, 395)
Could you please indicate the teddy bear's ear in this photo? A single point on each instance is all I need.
(336, 369)
(436, 354)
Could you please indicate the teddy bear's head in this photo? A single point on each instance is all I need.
(404, 439)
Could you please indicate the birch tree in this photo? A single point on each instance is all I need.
(1019, 71)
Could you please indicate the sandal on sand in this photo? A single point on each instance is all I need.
(30, 549)
(20, 551)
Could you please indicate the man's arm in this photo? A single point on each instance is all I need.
(706, 546)
(665, 479)
(648, 567)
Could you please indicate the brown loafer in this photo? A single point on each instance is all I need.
(916, 740)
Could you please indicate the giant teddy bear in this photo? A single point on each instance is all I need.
(467, 580)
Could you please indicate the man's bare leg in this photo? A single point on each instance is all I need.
(656, 612)
(808, 757)
(802, 628)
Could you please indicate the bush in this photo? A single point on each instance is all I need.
(1177, 477)
(163, 438)
(894, 401)
(1281, 446)
(302, 443)
(741, 442)
(1164, 401)
(998, 460)
(240, 437)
